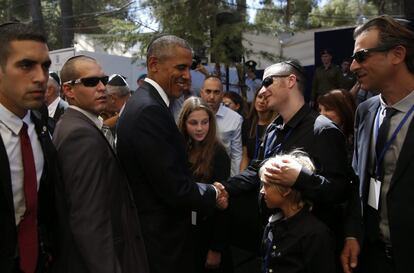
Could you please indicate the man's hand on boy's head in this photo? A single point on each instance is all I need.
(283, 172)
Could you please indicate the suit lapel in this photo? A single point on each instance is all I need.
(364, 145)
(6, 179)
(154, 94)
(76, 113)
(406, 154)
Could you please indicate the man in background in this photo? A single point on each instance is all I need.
(229, 122)
(55, 104)
(252, 82)
(348, 79)
(118, 93)
(326, 77)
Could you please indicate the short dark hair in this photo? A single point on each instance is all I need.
(15, 31)
(161, 47)
(326, 51)
(391, 34)
(69, 71)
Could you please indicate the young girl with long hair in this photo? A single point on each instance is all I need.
(209, 163)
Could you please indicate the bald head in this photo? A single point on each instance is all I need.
(70, 70)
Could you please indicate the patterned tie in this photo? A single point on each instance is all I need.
(108, 135)
(27, 238)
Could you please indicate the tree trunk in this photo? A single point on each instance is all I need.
(37, 16)
(288, 11)
(409, 10)
(68, 25)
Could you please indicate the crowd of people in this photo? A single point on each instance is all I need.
(95, 178)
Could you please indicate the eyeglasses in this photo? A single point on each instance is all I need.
(268, 81)
(90, 81)
(361, 55)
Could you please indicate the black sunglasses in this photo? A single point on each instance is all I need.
(268, 81)
(361, 55)
(90, 81)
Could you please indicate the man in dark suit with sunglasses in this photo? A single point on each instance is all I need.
(153, 153)
(98, 222)
(380, 224)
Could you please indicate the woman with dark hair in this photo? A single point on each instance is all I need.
(254, 128)
(235, 102)
(209, 162)
(339, 106)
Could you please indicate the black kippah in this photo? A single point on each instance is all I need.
(55, 76)
(117, 80)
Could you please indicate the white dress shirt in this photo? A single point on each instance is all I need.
(52, 107)
(229, 125)
(10, 126)
(392, 154)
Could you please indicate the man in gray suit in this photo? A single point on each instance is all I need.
(100, 231)
(384, 154)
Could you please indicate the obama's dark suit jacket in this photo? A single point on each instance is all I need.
(153, 153)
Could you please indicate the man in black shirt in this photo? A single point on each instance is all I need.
(298, 126)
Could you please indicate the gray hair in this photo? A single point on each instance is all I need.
(120, 91)
(161, 47)
(55, 85)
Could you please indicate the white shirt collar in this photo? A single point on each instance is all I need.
(94, 118)
(11, 121)
(52, 107)
(221, 112)
(274, 217)
(159, 90)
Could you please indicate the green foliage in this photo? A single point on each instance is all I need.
(194, 20)
(53, 24)
(189, 19)
(341, 13)
(197, 22)
(14, 10)
(287, 15)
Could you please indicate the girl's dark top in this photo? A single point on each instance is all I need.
(212, 231)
